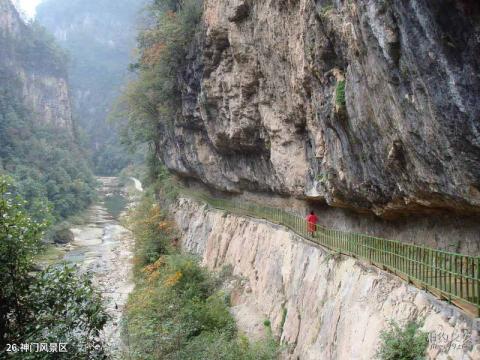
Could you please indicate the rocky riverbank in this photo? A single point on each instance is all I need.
(104, 248)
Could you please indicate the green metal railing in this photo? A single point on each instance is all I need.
(450, 276)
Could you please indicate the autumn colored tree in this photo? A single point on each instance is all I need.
(152, 101)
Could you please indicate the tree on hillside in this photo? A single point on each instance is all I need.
(52, 306)
(151, 102)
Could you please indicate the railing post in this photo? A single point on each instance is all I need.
(444, 272)
(450, 274)
(478, 286)
(470, 287)
(370, 249)
(422, 257)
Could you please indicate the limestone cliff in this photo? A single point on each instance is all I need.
(366, 105)
(99, 36)
(321, 305)
(370, 105)
(39, 148)
(33, 67)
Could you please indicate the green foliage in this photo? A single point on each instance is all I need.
(162, 181)
(115, 204)
(177, 310)
(217, 345)
(41, 51)
(170, 307)
(36, 50)
(51, 306)
(19, 243)
(111, 158)
(65, 306)
(152, 230)
(403, 343)
(150, 103)
(340, 94)
(46, 163)
(179, 313)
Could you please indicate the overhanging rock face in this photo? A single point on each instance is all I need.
(322, 306)
(369, 105)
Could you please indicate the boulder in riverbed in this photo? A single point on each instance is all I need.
(63, 236)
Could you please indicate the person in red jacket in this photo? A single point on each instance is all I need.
(312, 222)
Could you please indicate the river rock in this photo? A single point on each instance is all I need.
(63, 236)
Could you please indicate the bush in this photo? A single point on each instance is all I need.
(172, 304)
(403, 343)
(216, 345)
(67, 307)
(151, 102)
(177, 310)
(153, 232)
(51, 306)
(63, 236)
(340, 94)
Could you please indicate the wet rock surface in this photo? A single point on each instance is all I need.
(263, 108)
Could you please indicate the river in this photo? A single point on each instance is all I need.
(103, 247)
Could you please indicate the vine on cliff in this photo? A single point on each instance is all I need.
(340, 94)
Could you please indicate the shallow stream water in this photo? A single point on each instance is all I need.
(104, 248)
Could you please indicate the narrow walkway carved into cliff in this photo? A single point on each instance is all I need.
(304, 305)
(450, 276)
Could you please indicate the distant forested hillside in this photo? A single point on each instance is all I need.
(99, 36)
(38, 140)
(47, 167)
